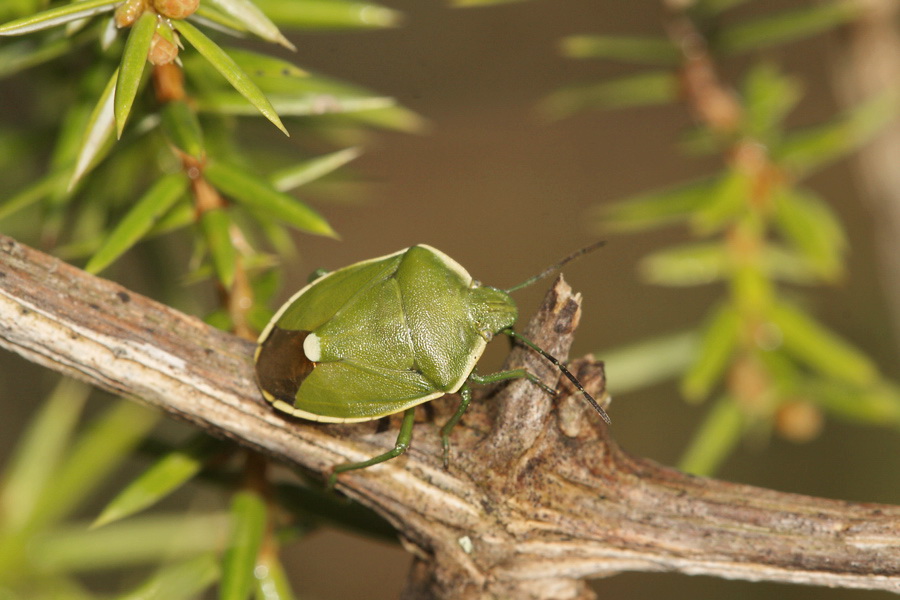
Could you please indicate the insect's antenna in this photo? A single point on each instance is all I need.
(556, 267)
(562, 368)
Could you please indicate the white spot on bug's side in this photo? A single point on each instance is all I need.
(465, 542)
(312, 348)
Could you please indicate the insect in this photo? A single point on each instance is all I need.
(384, 335)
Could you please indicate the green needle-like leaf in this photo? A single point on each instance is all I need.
(785, 26)
(292, 105)
(643, 89)
(807, 150)
(73, 11)
(294, 92)
(140, 540)
(74, 123)
(823, 350)
(259, 195)
(769, 96)
(871, 405)
(266, 69)
(165, 476)
(394, 118)
(181, 216)
(99, 450)
(131, 69)
(310, 170)
(716, 438)
(139, 220)
(39, 451)
(658, 208)
(688, 265)
(642, 364)
(216, 226)
(786, 264)
(180, 581)
(216, 19)
(249, 15)
(34, 193)
(651, 50)
(720, 336)
(328, 14)
(271, 579)
(725, 204)
(182, 127)
(811, 226)
(248, 518)
(98, 133)
(224, 64)
(29, 52)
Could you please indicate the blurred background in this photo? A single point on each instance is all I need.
(507, 192)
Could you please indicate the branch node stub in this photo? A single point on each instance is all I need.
(576, 507)
(523, 410)
(575, 418)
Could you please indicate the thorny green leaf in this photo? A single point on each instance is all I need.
(719, 339)
(651, 50)
(249, 516)
(165, 476)
(178, 581)
(59, 15)
(216, 227)
(224, 64)
(99, 131)
(139, 220)
(258, 194)
(643, 89)
(255, 20)
(718, 435)
(309, 170)
(131, 69)
(327, 14)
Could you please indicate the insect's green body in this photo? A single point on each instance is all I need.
(381, 336)
(378, 337)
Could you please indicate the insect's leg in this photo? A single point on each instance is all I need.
(402, 445)
(465, 396)
(518, 336)
(513, 374)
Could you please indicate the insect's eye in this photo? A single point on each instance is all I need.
(486, 334)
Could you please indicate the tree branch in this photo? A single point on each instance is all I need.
(530, 507)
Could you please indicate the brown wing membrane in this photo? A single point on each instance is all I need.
(281, 364)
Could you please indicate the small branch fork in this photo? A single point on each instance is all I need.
(538, 498)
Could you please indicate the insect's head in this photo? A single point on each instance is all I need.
(493, 310)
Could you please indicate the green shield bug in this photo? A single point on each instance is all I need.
(383, 335)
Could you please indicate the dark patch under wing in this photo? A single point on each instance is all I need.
(281, 364)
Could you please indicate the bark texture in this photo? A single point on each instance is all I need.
(538, 498)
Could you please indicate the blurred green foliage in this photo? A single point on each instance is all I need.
(146, 143)
(755, 228)
(141, 150)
